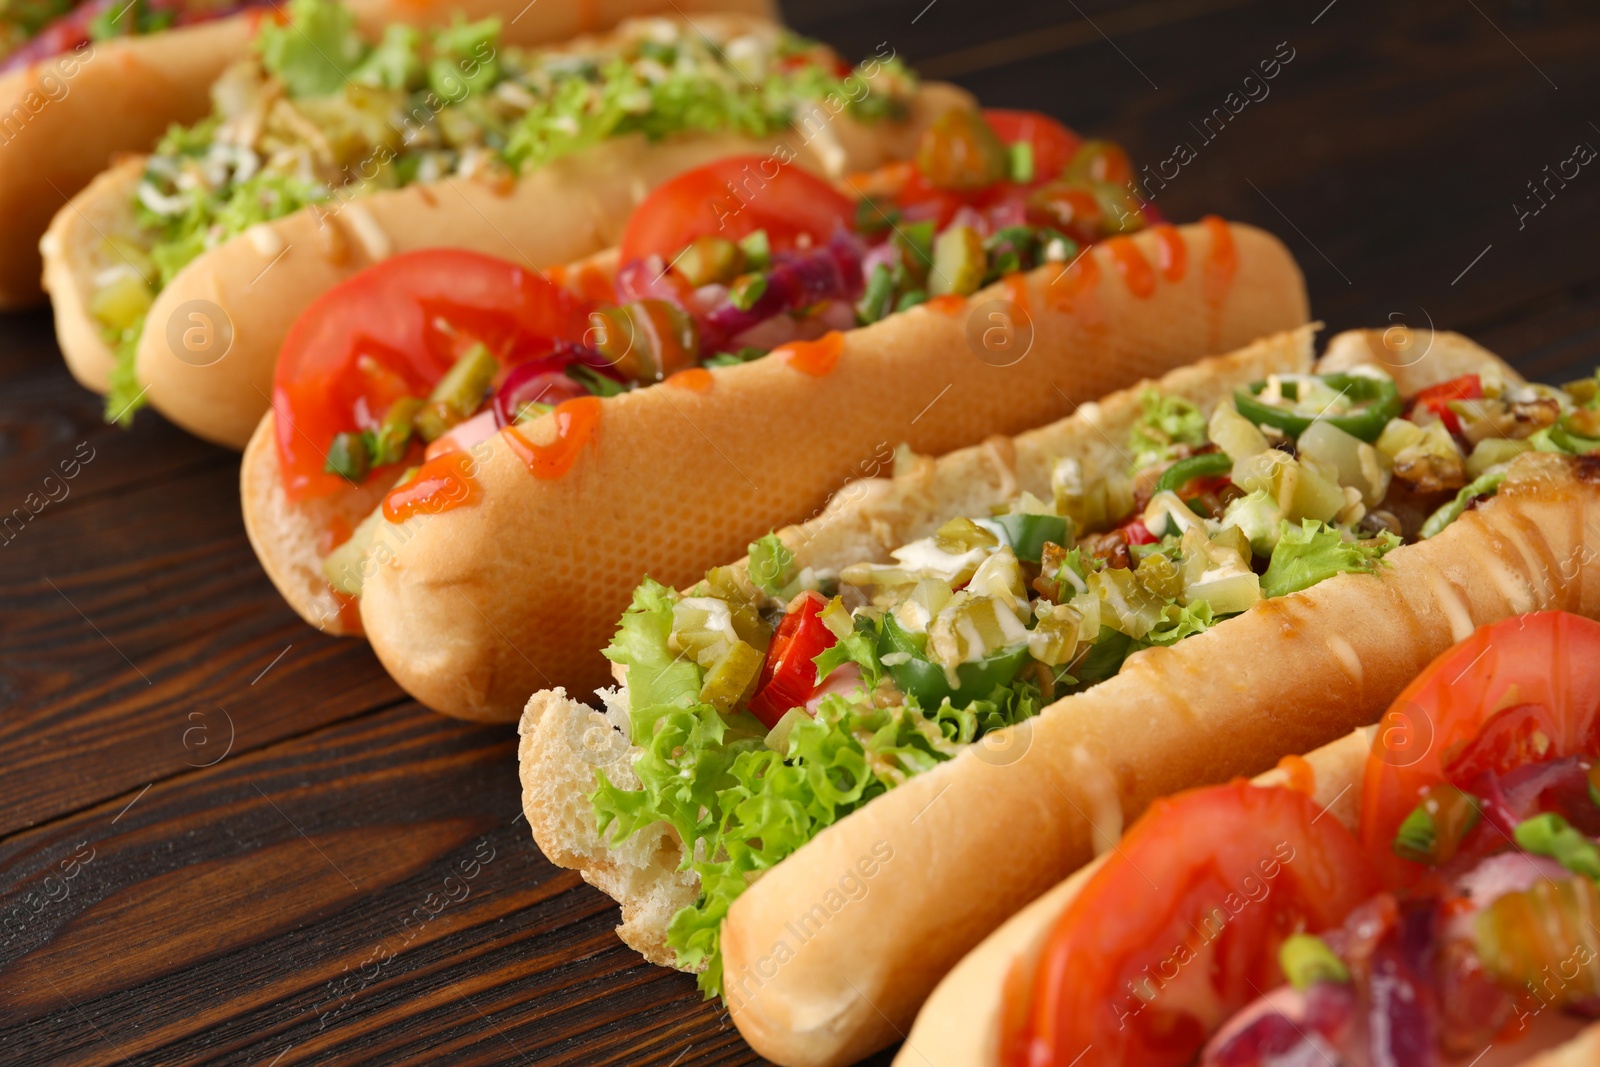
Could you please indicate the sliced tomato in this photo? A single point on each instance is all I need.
(1180, 928)
(1437, 398)
(1054, 145)
(733, 198)
(789, 676)
(392, 331)
(1522, 690)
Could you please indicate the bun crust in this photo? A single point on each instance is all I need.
(63, 120)
(488, 603)
(1301, 670)
(255, 285)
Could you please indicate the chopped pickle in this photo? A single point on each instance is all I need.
(747, 289)
(709, 260)
(348, 456)
(970, 628)
(927, 598)
(731, 676)
(344, 567)
(958, 262)
(646, 340)
(1160, 575)
(1126, 606)
(1493, 451)
(960, 151)
(122, 301)
(836, 617)
(1000, 577)
(1306, 958)
(757, 250)
(702, 629)
(1091, 505)
(1523, 937)
(1234, 434)
(1054, 638)
(1434, 830)
(389, 441)
(459, 393)
(963, 535)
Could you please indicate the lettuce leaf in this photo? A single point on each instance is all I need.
(1164, 423)
(1312, 551)
(316, 51)
(394, 63)
(771, 564)
(740, 807)
(124, 395)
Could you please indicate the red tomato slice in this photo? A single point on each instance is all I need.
(392, 331)
(1522, 689)
(1180, 929)
(789, 677)
(733, 198)
(1437, 398)
(1053, 144)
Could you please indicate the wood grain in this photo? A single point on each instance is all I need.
(227, 839)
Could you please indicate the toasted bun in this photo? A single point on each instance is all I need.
(564, 742)
(75, 252)
(1303, 669)
(960, 1024)
(244, 294)
(488, 603)
(63, 120)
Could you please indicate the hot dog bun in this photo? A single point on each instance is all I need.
(252, 287)
(959, 1025)
(1302, 669)
(63, 120)
(487, 603)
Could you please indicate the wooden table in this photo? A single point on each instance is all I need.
(225, 837)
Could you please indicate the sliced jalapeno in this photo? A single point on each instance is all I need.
(926, 681)
(1377, 398)
(1027, 534)
(1181, 473)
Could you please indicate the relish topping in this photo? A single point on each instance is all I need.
(982, 623)
(319, 114)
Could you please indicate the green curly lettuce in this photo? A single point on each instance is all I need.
(1165, 422)
(1312, 551)
(739, 806)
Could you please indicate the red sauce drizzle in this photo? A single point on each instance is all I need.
(349, 612)
(815, 358)
(1172, 254)
(1074, 288)
(1137, 274)
(576, 422)
(951, 304)
(1017, 291)
(694, 379)
(1222, 262)
(438, 486)
(1302, 779)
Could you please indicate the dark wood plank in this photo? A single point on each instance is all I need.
(366, 891)
(141, 638)
(222, 908)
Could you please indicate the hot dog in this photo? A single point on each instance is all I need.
(327, 151)
(81, 83)
(673, 326)
(1411, 893)
(1042, 635)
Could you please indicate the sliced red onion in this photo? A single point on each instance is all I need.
(797, 280)
(1560, 785)
(646, 279)
(544, 381)
(1400, 1013)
